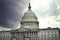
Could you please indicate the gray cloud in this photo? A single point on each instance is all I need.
(53, 9)
(11, 10)
(58, 20)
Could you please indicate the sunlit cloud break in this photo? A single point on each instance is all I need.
(47, 12)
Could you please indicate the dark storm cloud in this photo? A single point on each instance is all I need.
(11, 12)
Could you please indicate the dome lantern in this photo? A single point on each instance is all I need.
(29, 7)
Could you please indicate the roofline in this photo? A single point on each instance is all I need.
(50, 29)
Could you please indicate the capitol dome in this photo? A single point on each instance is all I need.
(29, 15)
(29, 20)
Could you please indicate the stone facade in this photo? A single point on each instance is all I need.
(29, 30)
(34, 34)
(24, 35)
(5, 35)
(49, 34)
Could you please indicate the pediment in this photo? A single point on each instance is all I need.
(22, 29)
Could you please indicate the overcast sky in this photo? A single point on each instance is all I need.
(47, 11)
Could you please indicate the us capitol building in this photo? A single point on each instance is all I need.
(30, 30)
